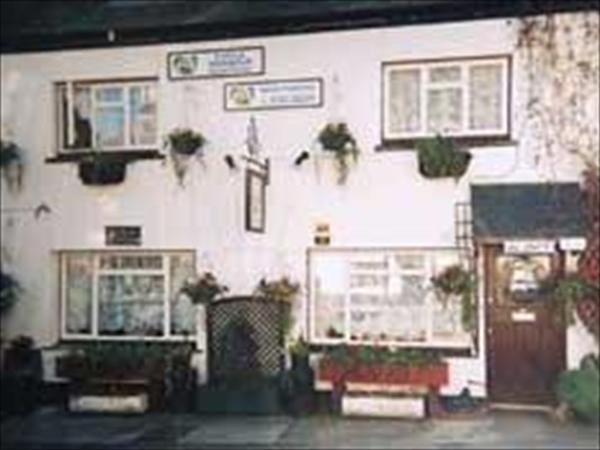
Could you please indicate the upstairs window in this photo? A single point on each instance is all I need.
(106, 116)
(463, 98)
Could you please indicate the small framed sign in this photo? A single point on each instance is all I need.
(255, 201)
(226, 62)
(529, 246)
(123, 235)
(275, 94)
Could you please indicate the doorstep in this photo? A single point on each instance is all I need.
(109, 403)
(382, 405)
(520, 407)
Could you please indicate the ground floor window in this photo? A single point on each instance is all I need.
(126, 294)
(382, 296)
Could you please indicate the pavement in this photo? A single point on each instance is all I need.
(51, 428)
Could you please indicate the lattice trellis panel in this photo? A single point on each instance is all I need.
(245, 334)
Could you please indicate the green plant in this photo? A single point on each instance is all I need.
(203, 290)
(456, 281)
(367, 355)
(571, 290)
(579, 389)
(100, 168)
(11, 164)
(299, 349)
(183, 143)
(336, 137)
(9, 291)
(439, 157)
(281, 290)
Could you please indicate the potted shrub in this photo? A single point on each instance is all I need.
(336, 138)
(11, 164)
(184, 143)
(102, 168)
(439, 157)
(578, 390)
(381, 365)
(456, 281)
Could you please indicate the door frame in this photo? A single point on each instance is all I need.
(489, 251)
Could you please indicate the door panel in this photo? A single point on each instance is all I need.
(525, 331)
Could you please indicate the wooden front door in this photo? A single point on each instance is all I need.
(525, 329)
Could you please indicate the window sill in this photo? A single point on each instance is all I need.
(471, 141)
(121, 155)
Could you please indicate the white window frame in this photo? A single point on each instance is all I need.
(465, 340)
(94, 86)
(96, 254)
(465, 65)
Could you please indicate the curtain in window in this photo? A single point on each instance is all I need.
(405, 101)
(183, 313)
(142, 108)
(485, 86)
(444, 110)
(79, 280)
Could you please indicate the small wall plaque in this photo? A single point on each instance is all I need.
(533, 246)
(274, 94)
(123, 235)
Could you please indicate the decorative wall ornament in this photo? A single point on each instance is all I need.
(216, 63)
(255, 197)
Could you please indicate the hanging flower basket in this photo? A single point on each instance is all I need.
(439, 158)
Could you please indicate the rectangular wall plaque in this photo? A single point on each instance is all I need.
(275, 94)
(255, 201)
(120, 235)
(226, 62)
(520, 247)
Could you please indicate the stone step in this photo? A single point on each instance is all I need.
(384, 405)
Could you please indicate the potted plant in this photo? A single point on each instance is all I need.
(9, 291)
(573, 294)
(21, 375)
(382, 365)
(455, 281)
(301, 378)
(439, 157)
(184, 143)
(101, 168)
(336, 138)
(11, 164)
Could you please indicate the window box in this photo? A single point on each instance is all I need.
(100, 172)
(433, 376)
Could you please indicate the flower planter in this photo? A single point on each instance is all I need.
(434, 375)
(102, 173)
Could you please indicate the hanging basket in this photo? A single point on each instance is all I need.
(102, 172)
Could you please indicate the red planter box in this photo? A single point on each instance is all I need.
(434, 375)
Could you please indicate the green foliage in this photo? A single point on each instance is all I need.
(203, 290)
(282, 290)
(336, 137)
(570, 290)
(439, 157)
(9, 153)
(352, 355)
(185, 141)
(579, 389)
(9, 291)
(11, 164)
(299, 348)
(455, 280)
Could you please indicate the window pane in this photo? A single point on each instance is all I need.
(110, 126)
(444, 110)
(109, 95)
(82, 128)
(329, 294)
(142, 101)
(405, 101)
(79, 279)
(485, 108)
(444, 74)
(183, 312)
(131, 262)
(131, 305)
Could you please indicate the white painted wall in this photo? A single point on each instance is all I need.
(384, 203)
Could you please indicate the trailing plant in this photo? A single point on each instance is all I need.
(204, 289)
(439, 157)
(11, 164)
(456, 281)
(9, 291)
(569, 292)
(299, 349)
(183, 143)
(336, 138)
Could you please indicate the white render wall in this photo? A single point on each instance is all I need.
(385, 202)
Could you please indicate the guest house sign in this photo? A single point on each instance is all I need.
(216, 63)
(300, 93)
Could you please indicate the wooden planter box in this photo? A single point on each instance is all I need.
(432, 376)
(100, 173)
